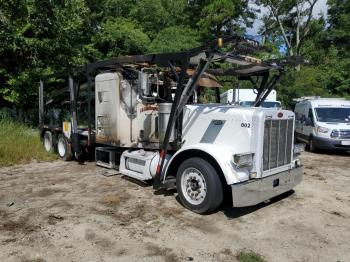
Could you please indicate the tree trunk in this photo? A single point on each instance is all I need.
(297, 40)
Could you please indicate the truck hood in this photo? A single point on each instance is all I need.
(228, 126)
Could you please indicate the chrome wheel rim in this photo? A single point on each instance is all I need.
(61, 147)
(193, 186)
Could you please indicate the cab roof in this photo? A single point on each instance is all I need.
(327, 102)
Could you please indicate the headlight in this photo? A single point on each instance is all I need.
(321, 129)
(242, 160)
(298, 148)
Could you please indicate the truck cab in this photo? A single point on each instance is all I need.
(323, 123)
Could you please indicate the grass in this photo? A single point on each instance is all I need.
(249, 256)
(20, 144)
(115, 200)
(111, 201)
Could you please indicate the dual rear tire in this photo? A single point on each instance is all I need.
(48, 142)
(63, 147)
(199, 186)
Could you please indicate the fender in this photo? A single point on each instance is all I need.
(221, 154)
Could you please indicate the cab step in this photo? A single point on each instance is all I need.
(105, 157)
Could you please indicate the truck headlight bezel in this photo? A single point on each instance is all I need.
(243, 160)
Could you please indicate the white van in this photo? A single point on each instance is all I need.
(323, 123)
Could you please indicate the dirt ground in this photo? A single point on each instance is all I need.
(63, 211)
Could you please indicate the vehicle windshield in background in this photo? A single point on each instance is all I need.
(333, 114)
(267, 104)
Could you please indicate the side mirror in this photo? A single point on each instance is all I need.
(309, 122)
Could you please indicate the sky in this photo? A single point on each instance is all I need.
(320, 6)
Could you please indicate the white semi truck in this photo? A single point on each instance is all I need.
(148, 127)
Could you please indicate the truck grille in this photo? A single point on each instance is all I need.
(341, 134)
(278, 135)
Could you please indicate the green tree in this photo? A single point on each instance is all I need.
(339, 24)
(220, 16)
(337, 38)
(39, 37)
(173, 39)
(152, 15)
(42, 37)
(319, 40)
(289, 19)
(121, 36)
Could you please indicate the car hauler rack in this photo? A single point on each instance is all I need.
(148, 126)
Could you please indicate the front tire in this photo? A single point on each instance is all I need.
(312, 145)
(199, 186)
(64, 148)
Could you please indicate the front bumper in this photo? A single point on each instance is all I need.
(256, 191)
(329, 144)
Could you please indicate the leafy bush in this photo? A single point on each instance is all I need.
(249, 256)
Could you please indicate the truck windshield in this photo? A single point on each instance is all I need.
(333, 114)
(267, 104)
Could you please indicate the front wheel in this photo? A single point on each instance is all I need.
(64, 148)
(312, 145)
(198, 185)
